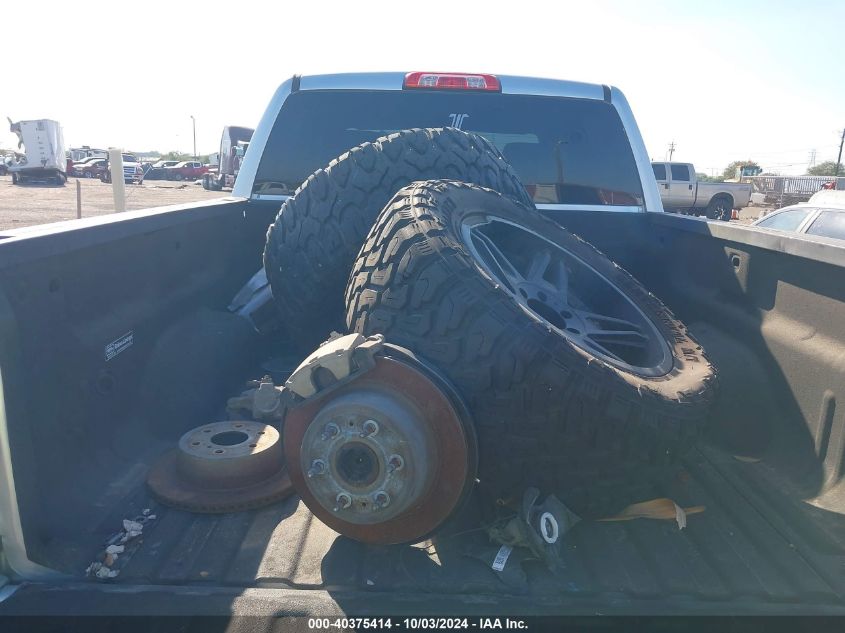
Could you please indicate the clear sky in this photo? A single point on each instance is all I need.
(724, 80)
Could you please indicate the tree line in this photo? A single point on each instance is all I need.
(827, 168)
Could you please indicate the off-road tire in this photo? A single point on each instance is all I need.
(318, 232)
(717, 211)
(548, 413)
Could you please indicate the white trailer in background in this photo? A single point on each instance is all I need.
(43, 150)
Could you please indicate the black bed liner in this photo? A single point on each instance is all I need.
(752, 544)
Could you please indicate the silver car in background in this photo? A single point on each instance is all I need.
(823, 215)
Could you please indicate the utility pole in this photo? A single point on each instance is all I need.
(194, 124)
(671, 150)
(812, 158)
(839, 158)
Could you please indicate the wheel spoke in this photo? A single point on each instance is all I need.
(557, 283)
(598, 319)
(495, 257)
(604, 330)
(538, 266)
(611, 337)
(561, 280)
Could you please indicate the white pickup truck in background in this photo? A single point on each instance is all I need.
(681, 192)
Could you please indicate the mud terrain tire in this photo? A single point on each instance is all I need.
(548, 412)
(318, 232)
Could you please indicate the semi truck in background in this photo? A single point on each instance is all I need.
(43, 157)
(233, 145)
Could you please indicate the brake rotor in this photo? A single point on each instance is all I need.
(223, 467)
(388, 456)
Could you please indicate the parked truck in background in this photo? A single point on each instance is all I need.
(233, 145)
(133, 171)
(78, 154)
(119, 333)
(44, 152)
(682, 192)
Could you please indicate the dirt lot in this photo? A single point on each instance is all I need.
(39, 204)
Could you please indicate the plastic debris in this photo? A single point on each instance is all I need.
(539, 527)
(99, 570)
(115, 546)
(680, 517)
(661, 509)
(105, 572)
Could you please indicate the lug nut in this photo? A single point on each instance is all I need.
(330, 432)
(370, 428)
(318, 467)
(381, 499)
(395, 462)
(343, 501)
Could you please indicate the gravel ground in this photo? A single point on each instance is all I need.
(39, 204)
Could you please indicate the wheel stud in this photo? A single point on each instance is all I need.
(318, 467)
(370, 427)
(330, 432)
(343, 501)
(395, 462)
(381, 499)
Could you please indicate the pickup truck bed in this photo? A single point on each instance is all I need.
(116, 337)
(751, 550)
(750, 545)
(758, 547)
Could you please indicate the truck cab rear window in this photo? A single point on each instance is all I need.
(567, 151)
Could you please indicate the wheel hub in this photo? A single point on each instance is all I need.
(387, 457)
(552, 306)
(352, 449)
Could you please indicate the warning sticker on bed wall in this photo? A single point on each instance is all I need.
(118, 345)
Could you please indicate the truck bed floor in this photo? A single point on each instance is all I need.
(746, 545)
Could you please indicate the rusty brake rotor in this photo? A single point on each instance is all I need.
(387, 455)
(223, 467)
